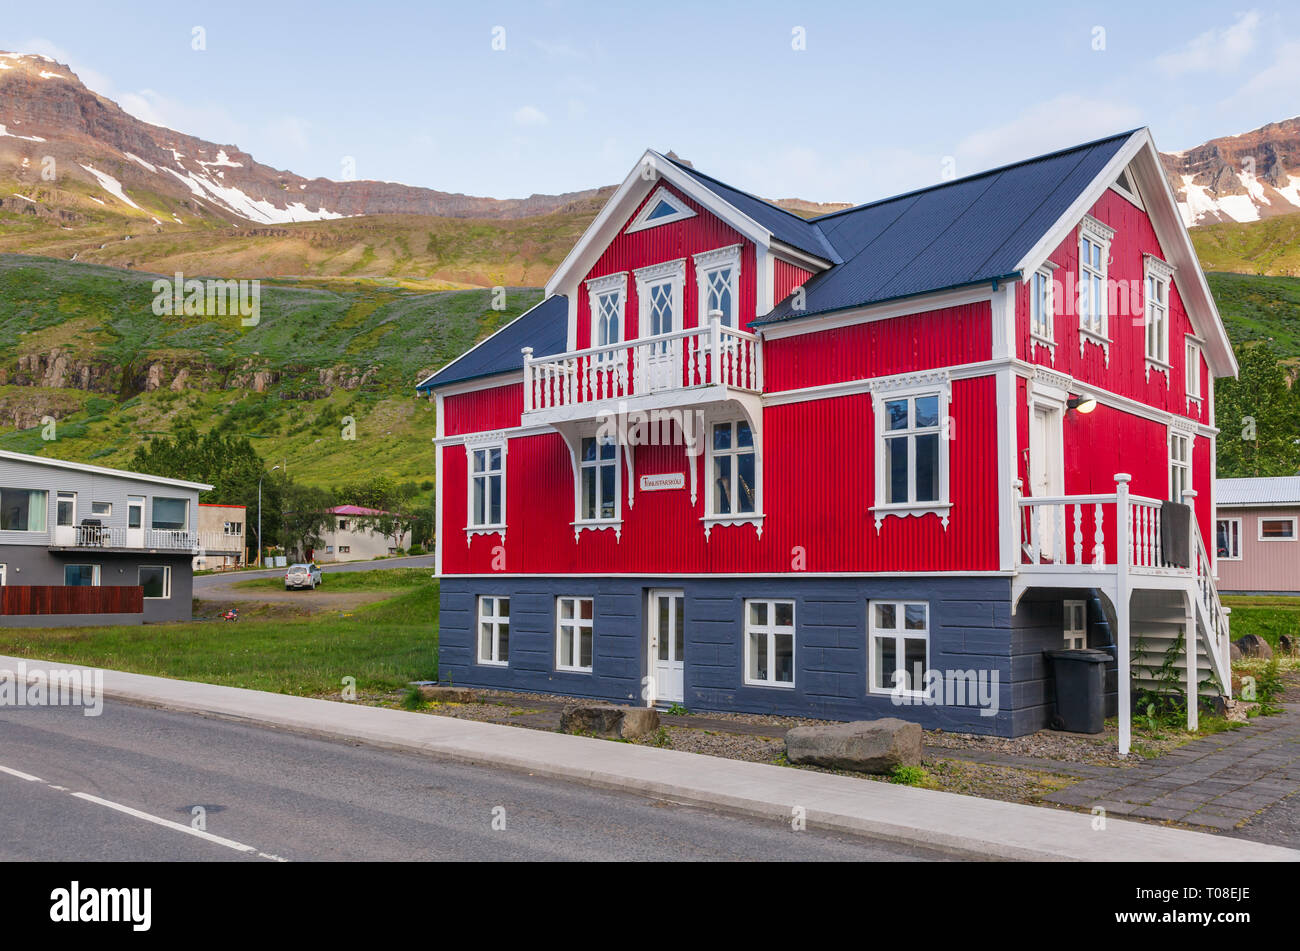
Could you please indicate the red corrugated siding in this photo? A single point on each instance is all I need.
(785, 278)
(936, 338)
(1125, 372)
(1107, 441)
(497, 407)
(680, 239)
(818, 485)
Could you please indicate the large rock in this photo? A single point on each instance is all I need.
(1252, 645)
(1234, 652)
(866, 746)
(609, 721)
(1286, 644)
(448, 694)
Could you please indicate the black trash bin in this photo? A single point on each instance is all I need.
(1080, 689)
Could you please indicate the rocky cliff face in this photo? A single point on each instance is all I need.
(1239, 177)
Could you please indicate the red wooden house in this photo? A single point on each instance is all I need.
(869, 464)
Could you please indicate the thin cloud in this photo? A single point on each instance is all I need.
(530, 116)
(1221, 50)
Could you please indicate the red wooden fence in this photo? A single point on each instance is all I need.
(71, 599)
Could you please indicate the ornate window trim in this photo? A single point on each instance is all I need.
(931, 383)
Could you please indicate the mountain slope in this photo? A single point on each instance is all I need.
(80, 344)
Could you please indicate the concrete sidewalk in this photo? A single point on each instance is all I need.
(975, 828)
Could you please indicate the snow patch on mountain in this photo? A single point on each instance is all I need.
(14, 135)
(111, 185)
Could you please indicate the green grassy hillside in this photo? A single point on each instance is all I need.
(1260, 309)
(1270, 246)
(81, 344)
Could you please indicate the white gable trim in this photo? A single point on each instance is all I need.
(649, 173)
(642, 221)
(1140, 157)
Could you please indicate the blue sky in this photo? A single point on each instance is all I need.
(877, 100)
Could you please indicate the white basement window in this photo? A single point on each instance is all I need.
(1076, 625)
(573, 634)
(769, 643)
(900, 646)
(494, 631)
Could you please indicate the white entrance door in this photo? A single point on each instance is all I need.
(662, 356)
(1046, 474)
(65, 521)
(135, 522)
(667, 647)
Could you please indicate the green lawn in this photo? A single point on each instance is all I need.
(383, 645)
(377, 579)
(1266, 615)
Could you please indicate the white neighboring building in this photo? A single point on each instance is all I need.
(223, 528)
(350, 537)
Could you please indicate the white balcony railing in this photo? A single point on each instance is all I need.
(714, 355)
(151, 539)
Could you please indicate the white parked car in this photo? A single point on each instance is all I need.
(302, 575)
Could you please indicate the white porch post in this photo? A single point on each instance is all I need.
(528, 378)
(1193, 592)
(1122, 558)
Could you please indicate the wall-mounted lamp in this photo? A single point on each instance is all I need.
(1084, 404)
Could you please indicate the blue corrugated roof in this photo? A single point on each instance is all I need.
(956, 234)
(545, 328)
(785, 226)
(960, 233)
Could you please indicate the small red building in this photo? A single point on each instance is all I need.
(873, 463)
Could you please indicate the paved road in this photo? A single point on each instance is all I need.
(209, 581)
(282, 796)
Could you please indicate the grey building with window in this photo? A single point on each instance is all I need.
(74, 525)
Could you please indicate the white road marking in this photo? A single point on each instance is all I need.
(27, 776)
(165, 823)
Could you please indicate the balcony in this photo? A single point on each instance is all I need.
(103, 538)
(683, 368)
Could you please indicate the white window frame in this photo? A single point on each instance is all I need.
(497, 620)
(1176, 464)
(1235, 536)
(167, 582)
(1129, 193)
(1074, 638)
(1155, 314)
(95, 575)
(899, 633)
(579, 625)
(580, 465)
(1192, 371)
(597, 289)
(711, 515)
(672, 273)
(96, 506)
(1259, 525)
(943, 504)
(45, 510)
(771, 630)
(485, 446)
(706, 265)
(1042, 297)
(1093, 231)
(642, 221)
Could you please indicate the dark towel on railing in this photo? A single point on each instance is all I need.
(1175, 534)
